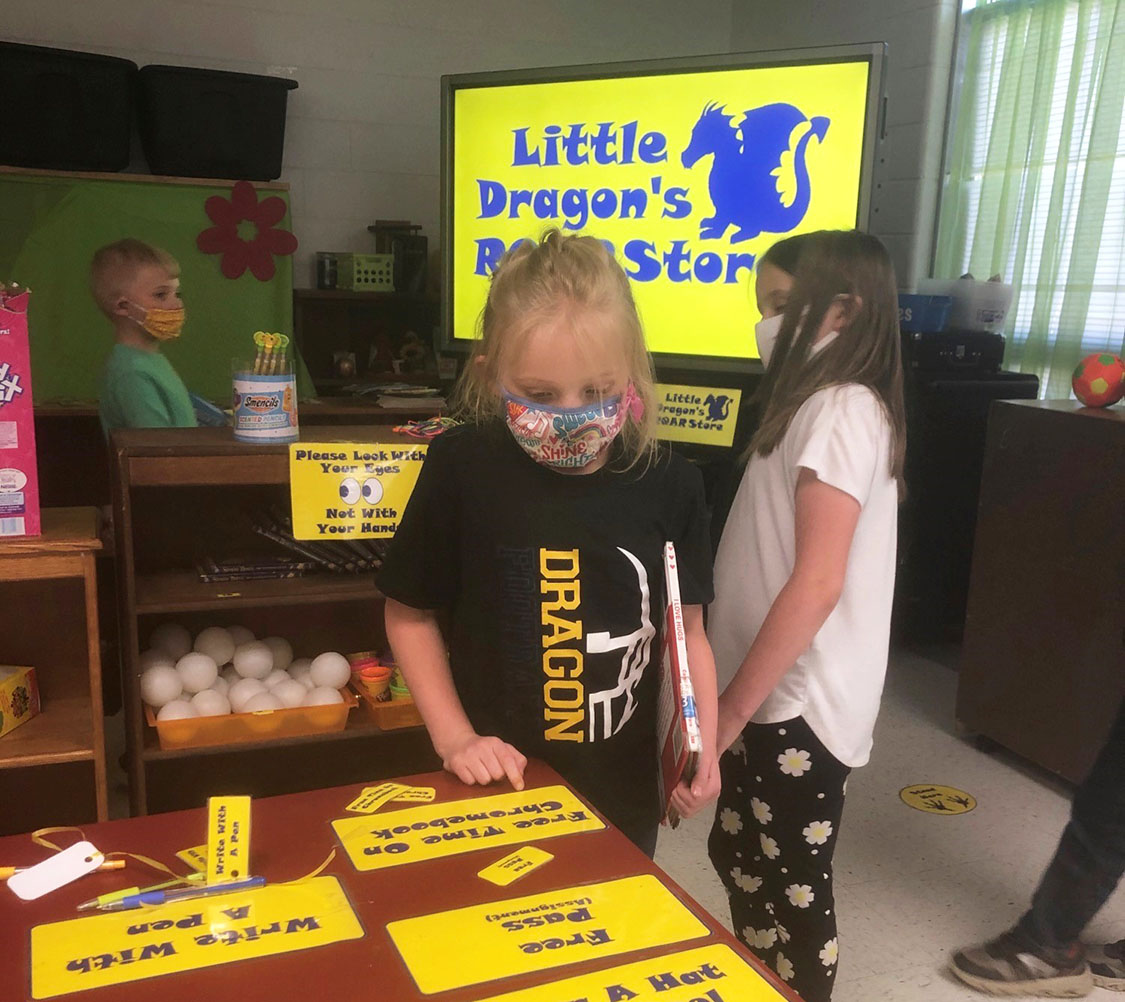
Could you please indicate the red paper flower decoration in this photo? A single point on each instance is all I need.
(239, 254)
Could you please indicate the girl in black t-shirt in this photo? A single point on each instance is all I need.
(538, 528)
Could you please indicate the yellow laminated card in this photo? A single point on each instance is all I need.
(417, 794)
(348, 490)
(195, 857)
(709, 974)
(705, 415)
(435, 830)
(118, 947)
(228, 839)
(374, 797)
(515, 865)
(535, 933)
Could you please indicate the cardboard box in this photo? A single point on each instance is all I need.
(19, 472)
(19, 697)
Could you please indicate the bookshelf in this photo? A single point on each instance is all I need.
(181, 495)
(49, 620)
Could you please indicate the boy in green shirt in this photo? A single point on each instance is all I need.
(138, 288)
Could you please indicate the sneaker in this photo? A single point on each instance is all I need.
(1108, 965)
(1010, 965)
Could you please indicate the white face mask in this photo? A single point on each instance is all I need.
(765, 333)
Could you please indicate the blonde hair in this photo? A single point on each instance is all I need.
(569, 276)
(114, 266)
(868, 350)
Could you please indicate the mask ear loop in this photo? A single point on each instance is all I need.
(633, 403)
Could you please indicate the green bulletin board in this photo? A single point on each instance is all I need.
(50, 227)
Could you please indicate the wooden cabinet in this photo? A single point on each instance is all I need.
(370, 325)
(184, 494)
(52, 767)
(1043, 661)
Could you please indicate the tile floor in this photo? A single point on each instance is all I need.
(911, 886)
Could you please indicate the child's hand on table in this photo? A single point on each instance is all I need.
(479, 759)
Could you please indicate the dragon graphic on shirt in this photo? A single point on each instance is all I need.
(571, 712)
(611, 709)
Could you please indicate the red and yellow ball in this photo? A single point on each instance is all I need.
(1099, 379)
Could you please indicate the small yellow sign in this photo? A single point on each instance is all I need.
(480, 943)
(417, 795)
(374, 797)
(228, 839)
(709, 974)
(349, 490)
(436, 830)
(118, 947)
(515, 865)
(937, 799)
(195, 857)
(705, 415)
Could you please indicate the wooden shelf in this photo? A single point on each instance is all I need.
(55, 573)
(318, 612)
(64, 530)
(359, 726)
(85, 175)
(182, 591)
(62, 732)
(359, 295)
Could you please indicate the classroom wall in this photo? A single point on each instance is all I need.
(363, 132)
(920, 36)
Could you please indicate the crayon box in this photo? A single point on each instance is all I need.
(19, 477)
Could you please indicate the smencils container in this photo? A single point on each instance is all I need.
(265, 404)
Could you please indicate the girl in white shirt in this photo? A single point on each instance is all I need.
(803, 581)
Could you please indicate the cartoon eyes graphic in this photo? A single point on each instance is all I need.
(372, 491)
(351, 491)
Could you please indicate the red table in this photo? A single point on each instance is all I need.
(291, 836)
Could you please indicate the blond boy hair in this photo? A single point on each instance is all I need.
(115, 265)
(536, 281)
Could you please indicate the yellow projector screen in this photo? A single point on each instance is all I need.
(689, 176)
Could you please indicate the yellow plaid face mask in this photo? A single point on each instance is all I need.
(164, 325)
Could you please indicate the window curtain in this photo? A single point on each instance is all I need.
(1035, 185)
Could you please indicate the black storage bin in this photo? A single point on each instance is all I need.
(212, 123)
(66, 110)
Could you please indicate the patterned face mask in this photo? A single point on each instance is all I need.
(164, 325)
(568, 438)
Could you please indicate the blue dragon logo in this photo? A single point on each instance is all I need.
(718, 407)
(758, 184)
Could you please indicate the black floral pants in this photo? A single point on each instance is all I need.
(772, 842)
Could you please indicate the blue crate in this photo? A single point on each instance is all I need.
(923, 314)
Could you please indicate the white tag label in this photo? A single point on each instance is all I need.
(58, 871)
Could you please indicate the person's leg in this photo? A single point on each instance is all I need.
(1042, 954)
(644, 838)
(806, 784)
(1090, 858)
(735, 841)
(790, 802)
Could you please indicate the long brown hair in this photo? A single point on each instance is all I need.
(867, 351)
(537, 281)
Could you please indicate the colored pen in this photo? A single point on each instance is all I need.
(109, 864)
(113, 896)
(165, 897)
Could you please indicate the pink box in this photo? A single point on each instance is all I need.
(19, 473)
